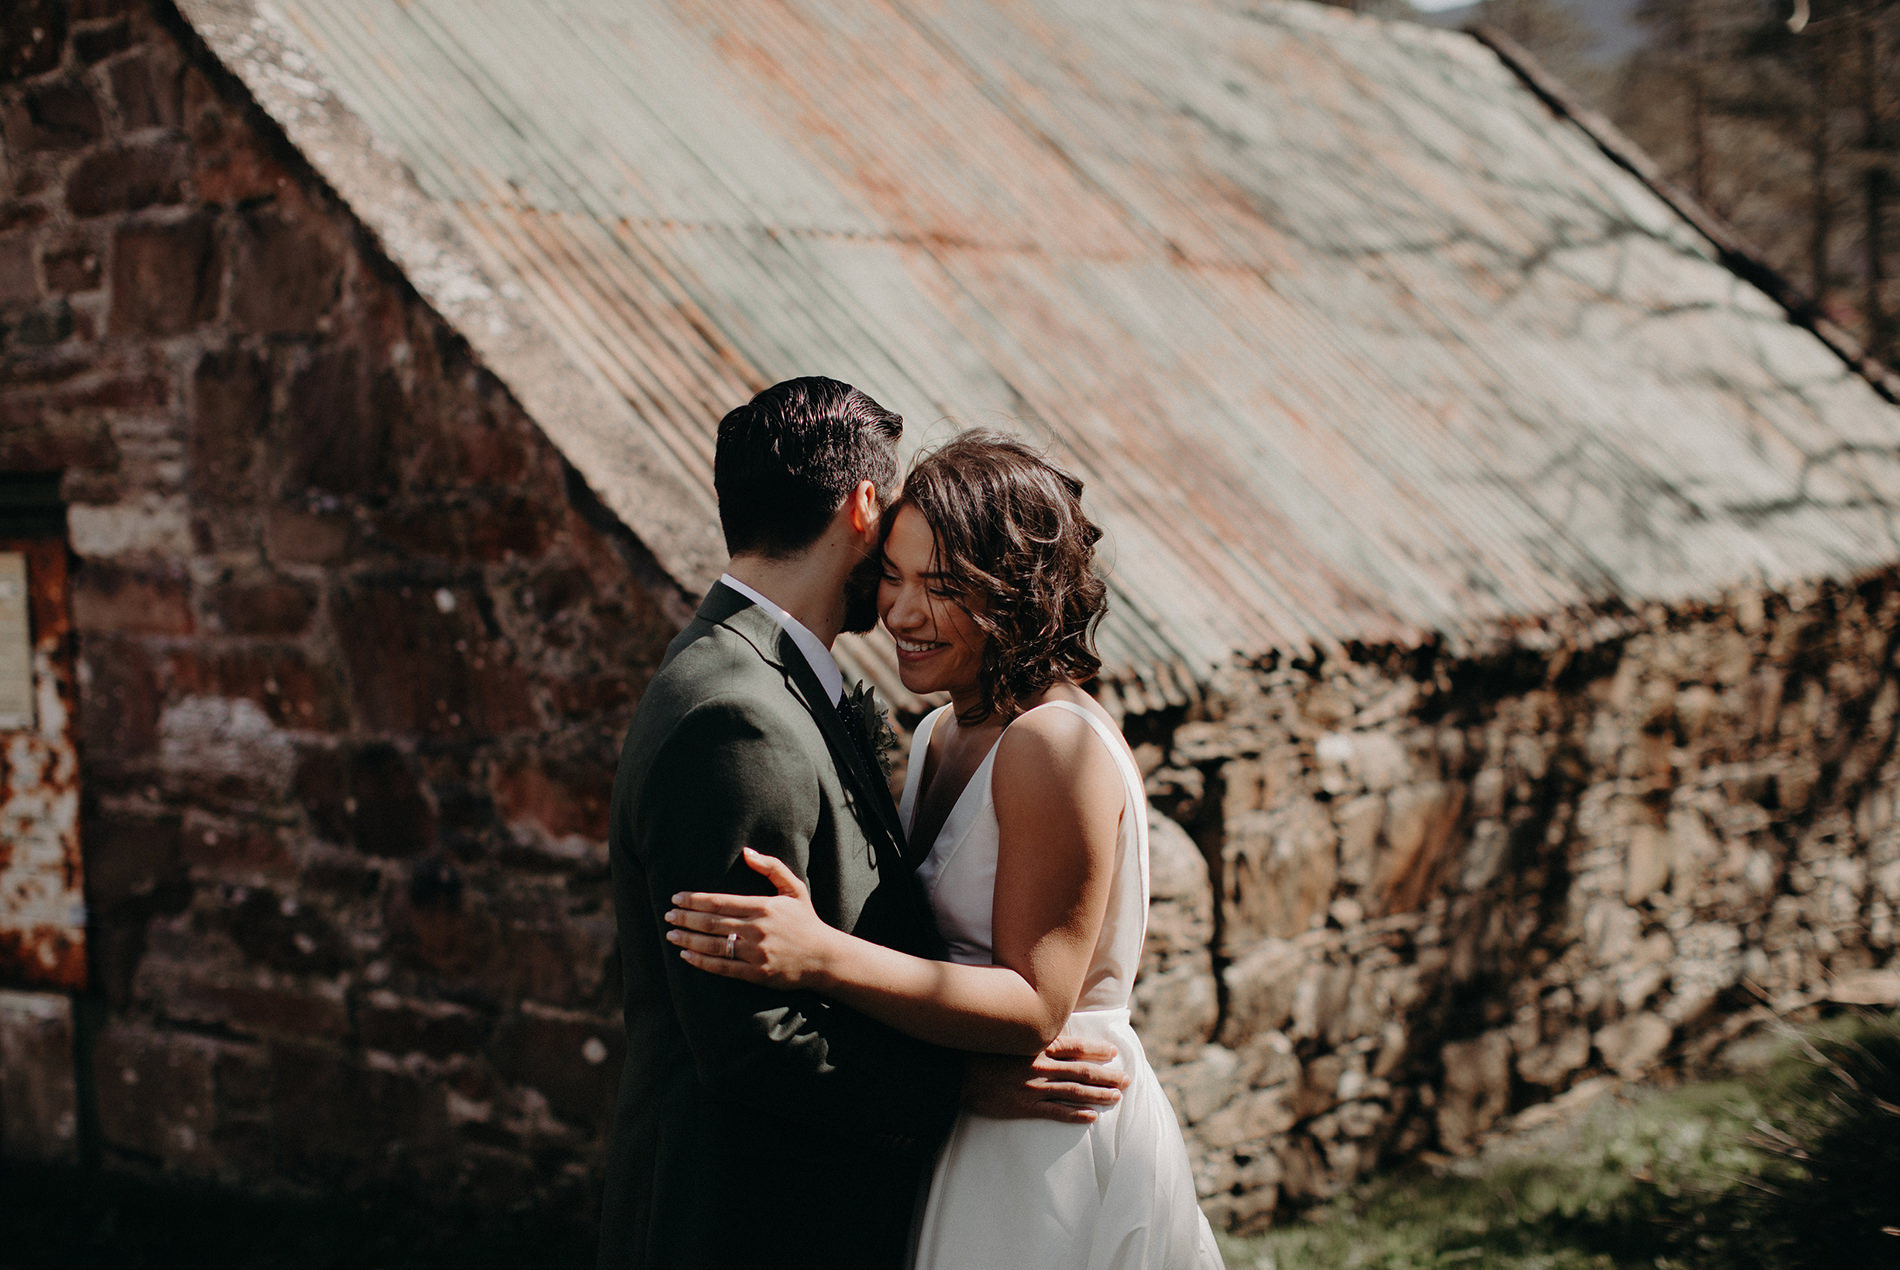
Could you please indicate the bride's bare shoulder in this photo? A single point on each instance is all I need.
(1047, 750)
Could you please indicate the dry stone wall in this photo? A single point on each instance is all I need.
(1439, 889)
(355, 656)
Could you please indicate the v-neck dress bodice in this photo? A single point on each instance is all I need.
(1116, 1194)
(960, 893)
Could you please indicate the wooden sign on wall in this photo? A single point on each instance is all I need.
(42, 877)
(16, 645)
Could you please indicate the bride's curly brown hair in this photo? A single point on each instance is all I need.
(1014, 545)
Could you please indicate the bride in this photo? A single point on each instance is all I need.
(1037, 871)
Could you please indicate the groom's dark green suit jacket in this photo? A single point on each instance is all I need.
(757, 1127)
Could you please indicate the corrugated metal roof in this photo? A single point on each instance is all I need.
(1351, 337)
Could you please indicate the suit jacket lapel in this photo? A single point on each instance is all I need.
(725, 607)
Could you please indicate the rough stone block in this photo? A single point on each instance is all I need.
(165, 277)
(1631, 1046)
(148, 88)
(47, 324)
(1320, 998)
(125, 179)
(556, 796)
(247, 1005)
(1260, 990)
(294, 691)
(1359, 821)
(98, 41)
(154, 601)
(420, 660)
(1879, 988)
(19, 278)
(39, 1099)
(1271, 1059)
(156, 1098)
(1175, 1011)
(1278, 872)
(230, 743)
(71, 267)
(1248, 1120)
(284, 933)
(118, 712)
(572, 1060)
(387, 811)
(1203, 1086)
(1549, 1064)
(230, 411)
(286, 275)
(1318, 1089)
(1181, 898)
(222, 847)
(233, 166)
(1419, 825)
(435, 1029)
(264, 606)
(1244, 1210)
(130, 854)
(297, 535)
(1476, 1090)
(340, 427)
(1646, 867)
(57, 116)
(32, 38)
(395, 1121)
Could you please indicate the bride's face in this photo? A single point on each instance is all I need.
(939, 647)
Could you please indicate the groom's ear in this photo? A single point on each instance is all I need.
(862, 507)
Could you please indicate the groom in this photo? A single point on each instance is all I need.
(758, 1127)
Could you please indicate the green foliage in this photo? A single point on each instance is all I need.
(1794, 1163)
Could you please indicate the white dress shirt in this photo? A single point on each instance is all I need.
(823, 664)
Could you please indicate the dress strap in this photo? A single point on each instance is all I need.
(1134, 835)
(914, 767)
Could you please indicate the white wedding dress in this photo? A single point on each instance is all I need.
(1030, 1194)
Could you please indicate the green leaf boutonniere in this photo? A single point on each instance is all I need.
(879, 742)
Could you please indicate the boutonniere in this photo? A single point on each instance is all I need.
(874, 725)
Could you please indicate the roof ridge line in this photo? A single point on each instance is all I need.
(1733, 251)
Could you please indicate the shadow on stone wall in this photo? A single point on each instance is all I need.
(1442, 889)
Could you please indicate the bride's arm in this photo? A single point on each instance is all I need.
(1058, 799)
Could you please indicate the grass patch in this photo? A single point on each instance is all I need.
(1794, 1161)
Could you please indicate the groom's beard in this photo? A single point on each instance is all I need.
(860, 594)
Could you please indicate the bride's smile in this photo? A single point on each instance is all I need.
(939, 645)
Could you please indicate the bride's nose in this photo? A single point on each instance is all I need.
(904, 611)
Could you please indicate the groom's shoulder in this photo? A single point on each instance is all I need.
(713, 667)
(710, 651)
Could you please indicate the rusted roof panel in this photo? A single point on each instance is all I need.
(1351, 337)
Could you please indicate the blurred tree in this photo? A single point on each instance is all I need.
(1780, 115)
(1562, 42)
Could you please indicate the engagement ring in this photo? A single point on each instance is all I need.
(732, 947)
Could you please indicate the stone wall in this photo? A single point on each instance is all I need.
(1435, 890)
(354, 656)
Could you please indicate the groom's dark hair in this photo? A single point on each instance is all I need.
(785, 461)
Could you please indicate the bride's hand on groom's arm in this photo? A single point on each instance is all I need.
(778, 940)
(1069, 1082)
